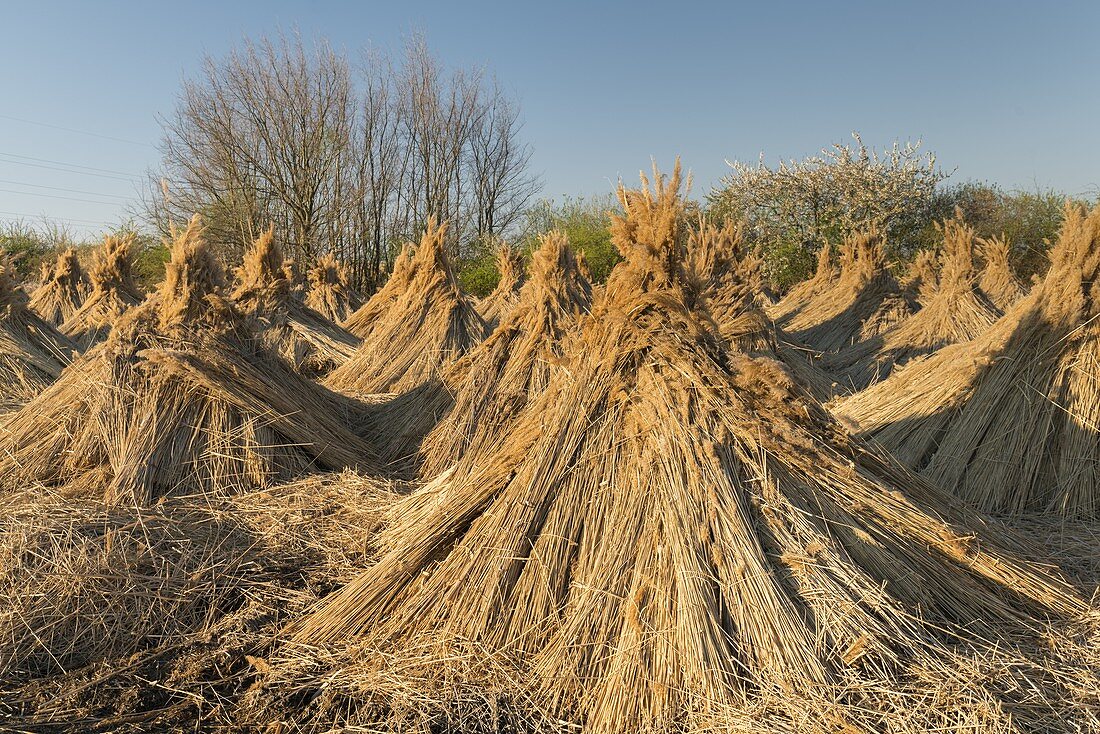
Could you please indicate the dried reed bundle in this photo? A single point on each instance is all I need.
(674, 536)
(297, 282)
(1009, 420)
(330, 292)
(801, 295)
(957, 312)
(733, 297)
(864, 301)
(922, 278)
(181, 398)
(429, 325)
(363, 320)
(32, 351)
(312, 343)
(498, 378)
(497, 304)
(63, 288)
(582, 266)
(113, 291)
(998, 282)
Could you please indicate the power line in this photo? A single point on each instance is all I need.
(59, 188)
(74, 130)
(69, 170)
(56, 196)
(24, 215)
(70, 165)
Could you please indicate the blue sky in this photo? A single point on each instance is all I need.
(1001, 91)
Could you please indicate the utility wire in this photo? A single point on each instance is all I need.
(59, 188)
(24, 215)
(123, 174)
(74, 130)
(57, 196)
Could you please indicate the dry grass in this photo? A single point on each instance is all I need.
(32, 351)
(957, 311)
(330, 292)
(1009, 420)
(675, 537)
(113, 291)
(63, 288)
(428, 324)
(496, 306)
(863, 302)
(313, 344)
(181, 398)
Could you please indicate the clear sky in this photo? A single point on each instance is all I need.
(1002, 91)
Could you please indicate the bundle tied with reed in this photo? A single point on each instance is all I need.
(496, 306)
(113, 291)
(180, 398)
(364, 319)
(32, 351)
(864, 301)
(674, 537)
(1008, 420)
(998, 282)
(798, 297)
(330, 291)
(312, 343)
(63, 288)
(498, 378)
(428, 325)
(957, 312)
(922, 277)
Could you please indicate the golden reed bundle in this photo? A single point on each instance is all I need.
(113, 291)
(495, 307)
(675, 537)
(957, 311)
(363, 320)
(32, 351)
(428, 324)
(1009, 419)
(330, 291)
(312, 343)
(180, 398)
(63, 288)
(997, 281)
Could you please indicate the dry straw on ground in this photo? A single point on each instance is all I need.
(496, 381)
(674, 537)
(496, 306)
(308, 340)
(32, 351)
(181, 398)
(1009, 420)
(330, 292)
(113, 291)
(998, 282)
(428, 324)
(864, 301)
(957, 311)
(63, 288)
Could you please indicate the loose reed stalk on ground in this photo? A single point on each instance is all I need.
(500, 302)
(63, 288)
(32, 351)
(428, 325)
(113, 291)
(675, 537)
(864, 301)
(998, 282)
(308, 340)
(330, 293)
(1009, 420)
(958, 311)
(181, 398)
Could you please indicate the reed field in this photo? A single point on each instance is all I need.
(255, 498)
